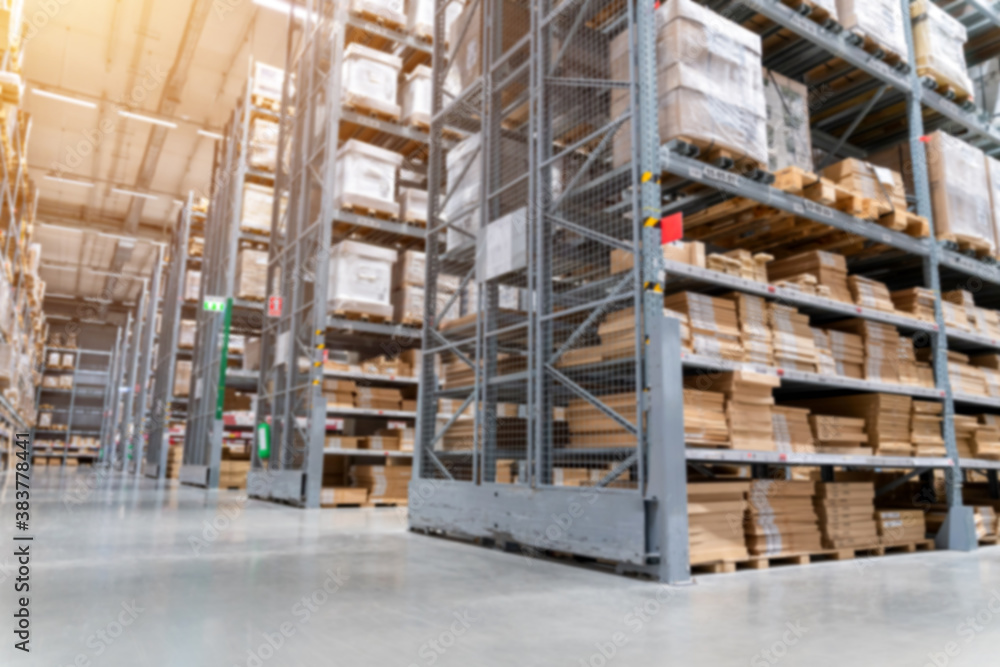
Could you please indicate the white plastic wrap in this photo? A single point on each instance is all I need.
(251, 274)
(186, 333)
(413, 205)
(939, 45)
(420, 17)
(959, 189)
(267, 81)
(192, 285)
(879, 20)
(993, 178)
(257, 204)
(789, 140)
(408, 304)
(502, 246)
(360, 279)
(416, 97)
(464, 178)
(263, 144)
(366, 177)
(369, 80)
(383, 11)
(708, 81)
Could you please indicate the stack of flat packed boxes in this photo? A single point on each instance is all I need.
(705, 422)
(715, 521)
(848, 350)
(387, 483)
(233, 473)
(781, 518)
(900, 526)
(590, 427)
(617, 333)
(339, 393)
(714, 325)
(956, 317)
(741, 263)
(175, 456)
(986, 441)
(965, 378)
(912, 372)
(881, 348)
(748, 408)
(870, 294)
(839, 435)
(847, 514)
(408, 289)
(755, 333)
(829, 269)
(794, 346)
(925, 426)
(882, 186)
(887, 418)
(961, 311)
(567, 476)
(825, 363)
(966, 427)
(378, 398)
(792, 432)
(987, 321)
(989, 366)
(916, 301)
(985, 518)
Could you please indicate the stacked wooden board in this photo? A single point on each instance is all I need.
(715, 521)
(847, 514)
(781, 518)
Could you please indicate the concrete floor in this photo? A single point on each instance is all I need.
(353, 587)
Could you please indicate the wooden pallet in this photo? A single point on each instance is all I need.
(724, 157)
(386, 502)
(358, 106)
(268, 103)
(872, 46)
(815, 13)
(988, 541)
(805, 558)
(941, 84)
(904, 221)
(379, 20)
(361, 317)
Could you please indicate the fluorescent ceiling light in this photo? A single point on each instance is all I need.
(64, 98)
(71, 181)
(133, 193)
(211, 135)
(147, 119)
(281, 6)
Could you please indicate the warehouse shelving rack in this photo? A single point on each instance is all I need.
(168, 407)
(204, 428)
(111, 399)
(149, 310)
(645, 528)
(313, 124)
(77, 410)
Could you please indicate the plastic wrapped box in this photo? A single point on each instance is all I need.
(410, 270)
(939, 46)
(251, 274)
(993, 177)
(881, 21)
(408, 304)
(413, 205)
(708, 82)
(182, 378)
(502, 246)
(263, 145)
(192, 285)
(789, 140)
(186, 334)
(382, 11)
(258, 201)
(959, 190)
(366, 178)
(416, 97)
(369, 80)
(360, 279)
(420, 17)
(267, 81)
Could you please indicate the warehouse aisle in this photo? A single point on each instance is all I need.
(128, 574)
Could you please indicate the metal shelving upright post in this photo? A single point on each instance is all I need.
(110, 397)
(133, 359)
(220, 312)
(314, 122)
(165, 408)
(150, 314)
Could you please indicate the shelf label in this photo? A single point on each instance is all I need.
(274, 306)
(214, 304)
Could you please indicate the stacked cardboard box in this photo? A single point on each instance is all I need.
(715, 329)
(829, 269)
(748, 407)
(755, 332)
(794, 346)
(781, 518)
(182, 377)
(880, 21)
(233, 473)
(847, 514)
(175, 456)
(912, 372)
(378, 398)
(617, 334)
(192, 285)
(705, 419)
(887, 418)
(792, 432)
(988, 366)
(881, 348)
(986, 439)
(715, 521)
(965, 378)
(960, 191)
(881, 186)
(926, 429)
(825, 363)
(900, 526)
(870, 294)
(985, 517)
(939, 47)
(684, 252)
(741, 264)
(987, 322)
(339, 393)
(966, 427)
(251, 274)
(839, 435)
(789, 142)
(591, 427)
(335, 496)
(388, 483)
(848, 350)
(917, 301)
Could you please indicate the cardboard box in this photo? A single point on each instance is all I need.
(192, 285)
(366, 178)
(251, 274)
(186, 334)
(369, 78)
(789, 140)
(360, 279)
(959, 190)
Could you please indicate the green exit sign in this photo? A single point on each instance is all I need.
(215, 304)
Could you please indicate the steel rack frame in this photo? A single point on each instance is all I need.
(232, 170)
(143, 384)
(645, 528)
(314, 122)
(166, 404)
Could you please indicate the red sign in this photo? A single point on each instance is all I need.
(274, 306)
(671, 228)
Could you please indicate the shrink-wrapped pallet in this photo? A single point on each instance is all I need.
(369, 80)
(709, 83)
(408, 304)
(420, 17)
(192, 285)
(360, 279)
(993, 184)
(182, 378)
(251, 274)
(789, 140)
(366, 178)
(267, 81)
(880, 21)
(186, 334)
(391, 12)
(413, 205)
(939, 46)
(415, 97)
(256, 212)
(959, 190)
(263, 144)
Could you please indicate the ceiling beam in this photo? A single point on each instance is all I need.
(171, 99)
(75, 216)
